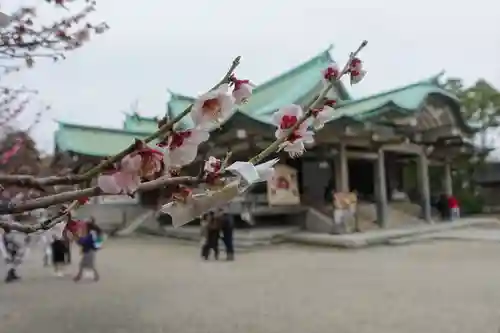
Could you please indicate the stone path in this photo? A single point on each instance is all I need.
(157, 285)
(476, 233)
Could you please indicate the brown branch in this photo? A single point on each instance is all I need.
(63, 197)
(33, 227)
(30, 181)
(45, 225)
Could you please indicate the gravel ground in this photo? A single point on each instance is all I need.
(155, 285)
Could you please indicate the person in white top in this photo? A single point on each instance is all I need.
(13, 248)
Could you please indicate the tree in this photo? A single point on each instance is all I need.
(480, 104)
(140, 167)
(19, 154)
(481, 109)
(25, 38)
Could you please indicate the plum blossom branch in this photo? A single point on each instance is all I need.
(163, 131)
(140, 161)
(309, 107)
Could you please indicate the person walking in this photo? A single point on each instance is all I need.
(203, 233)
(453, 208)
(67, 237)
(58, 249)
(13, 247)
(90, 242)
(46, 247)
(227, 226)
(213, 235)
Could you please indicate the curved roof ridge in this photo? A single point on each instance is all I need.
(179, 96)
(426, 81)
(140, 117)
(99, 128)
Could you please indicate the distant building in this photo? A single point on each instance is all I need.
(380, 146)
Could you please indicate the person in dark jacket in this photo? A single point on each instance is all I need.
(58, 250)
(227, 226)
(442, 206)
(212, 238)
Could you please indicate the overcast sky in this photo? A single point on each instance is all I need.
(186, 46)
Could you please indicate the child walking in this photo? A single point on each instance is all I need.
(90, 242)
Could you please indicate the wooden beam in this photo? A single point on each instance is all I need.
(403, 147)
(441, 132)
(360, 155)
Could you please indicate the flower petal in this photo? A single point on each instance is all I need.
(107, 183)
(131, 163)
(183, 155)
(197, 137)
(128, 182)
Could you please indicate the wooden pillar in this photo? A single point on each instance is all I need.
(425, 192)
(381, 189)
(448, 183)
(341, 170)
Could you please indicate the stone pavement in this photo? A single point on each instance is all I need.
(385, 236)
(476, 233)
(154, 285)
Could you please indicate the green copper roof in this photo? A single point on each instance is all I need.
(406, 99)
(137, 123)
(94, 141)
(285, 89)
(176, 105)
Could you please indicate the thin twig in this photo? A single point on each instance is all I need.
(225, 161)
(30, 181)
(29, 228)
(314, 104)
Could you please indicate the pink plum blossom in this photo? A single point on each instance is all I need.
(145, 162)
(242, 90)
(331, 73)
(286, 118)
(323, 114)
(212, 165)
(212, 169)
(122, 180)
(356, 71)
(152, 162)
(212, 108)
(182, 146)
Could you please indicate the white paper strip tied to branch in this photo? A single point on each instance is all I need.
(199, 204)
(251, 174)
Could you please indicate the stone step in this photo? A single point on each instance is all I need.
(136, 223)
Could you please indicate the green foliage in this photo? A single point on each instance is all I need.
(26, 160)
(470, 203)
(465, 188)
(481, 108)
(480, 102)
